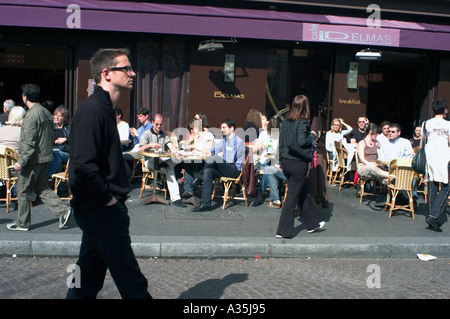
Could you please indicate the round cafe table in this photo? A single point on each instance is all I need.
(155, 154)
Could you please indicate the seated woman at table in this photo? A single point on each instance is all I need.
(200, 141)
(272, 172)
(10, 133)
(368, 154)
(202, 117)
(337, 133)
(61, 119)
(123, 129)
(252, 125)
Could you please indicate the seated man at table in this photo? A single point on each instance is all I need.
(143, 116)
(155, 138)
(396, 146)
(357, 134)
(131, 157)
(229, 154)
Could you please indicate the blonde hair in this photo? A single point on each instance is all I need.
(340, 124)
(15, 116)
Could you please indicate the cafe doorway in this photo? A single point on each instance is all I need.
(397, 89)
(295, 71)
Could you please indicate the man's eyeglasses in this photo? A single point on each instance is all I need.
(392, 131)
(157, 124)
(126, 69)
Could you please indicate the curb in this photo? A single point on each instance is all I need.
(239, 248)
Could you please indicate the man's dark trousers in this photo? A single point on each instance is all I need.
(211, 171)
(106, 244)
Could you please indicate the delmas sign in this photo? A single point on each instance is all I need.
(350, 34)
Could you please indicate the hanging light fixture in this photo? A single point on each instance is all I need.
(368, 54)
(213, 45)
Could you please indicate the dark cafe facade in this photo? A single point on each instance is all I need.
(387, 61)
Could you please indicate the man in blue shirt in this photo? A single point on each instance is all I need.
(396, 146)
(143, 116)
(229, 154)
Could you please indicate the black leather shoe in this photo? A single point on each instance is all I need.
(201, 208)
(196, 182)
(433, 223)
(179, 203)
(186, 195)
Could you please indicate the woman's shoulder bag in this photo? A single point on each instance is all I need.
(419, 161)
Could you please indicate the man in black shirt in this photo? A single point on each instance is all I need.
(417, 136)
(99, 184)
(358, 134)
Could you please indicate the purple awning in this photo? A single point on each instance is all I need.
(220, 22)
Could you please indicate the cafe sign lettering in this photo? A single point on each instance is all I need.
(350, 34)
(221, 95)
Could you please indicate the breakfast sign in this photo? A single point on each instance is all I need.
(350, 34)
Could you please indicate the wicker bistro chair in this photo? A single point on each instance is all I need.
(147, 174)
(8, 157)
(404, 176)
(341, 169)
(229, 182)
(62, 177)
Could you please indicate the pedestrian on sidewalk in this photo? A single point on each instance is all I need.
(99, 183)
(296, 151)
(437, 150)
(34, 157)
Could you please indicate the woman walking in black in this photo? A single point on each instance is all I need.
(295, 149)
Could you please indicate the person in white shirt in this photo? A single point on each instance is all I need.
(337, 133)
(437, 150)
(200, 141)
(10, 133)
(383, 137)
(123, 128)
(396, 146)
(272, 172)
(156, 138)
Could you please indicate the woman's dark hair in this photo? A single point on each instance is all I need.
(118, 111)
(299, 109)
(274, 122)
(372, 127)
(204, 119)
(254, 116)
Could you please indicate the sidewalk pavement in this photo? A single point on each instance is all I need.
(352, 230)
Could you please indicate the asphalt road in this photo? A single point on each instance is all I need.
(254, 278)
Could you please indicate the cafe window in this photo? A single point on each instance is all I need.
(162, 79)
(277, 76)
